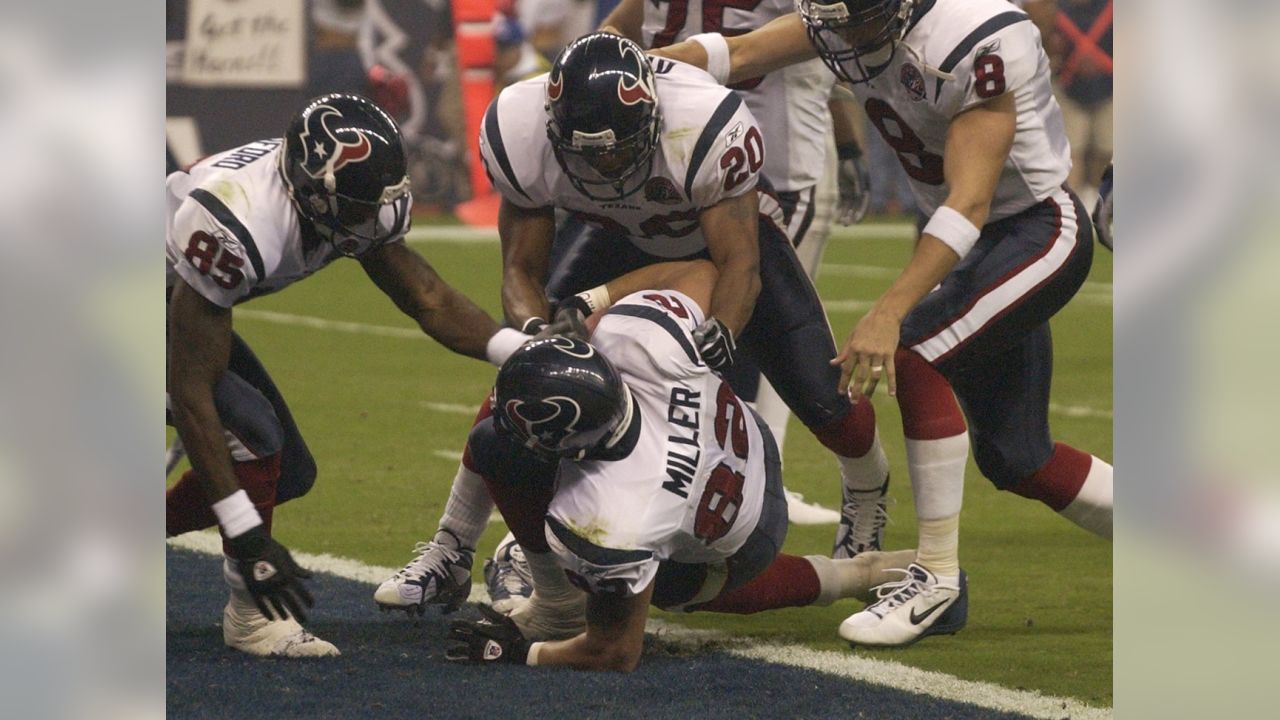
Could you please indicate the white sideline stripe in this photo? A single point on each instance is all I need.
(450, 455)
(850, 665)
(1081, 411)
(316, 323)
(466, 235)
(451, 408)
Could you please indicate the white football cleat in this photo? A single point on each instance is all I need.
(862, 521)
(915, 607)
(246, 629)
(800, 512)
(439, 575)
(507, 576)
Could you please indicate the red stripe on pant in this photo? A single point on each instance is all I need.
(789, 581)
(187, 507)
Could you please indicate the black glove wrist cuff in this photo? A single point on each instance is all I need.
(249, 545)
(848, 151)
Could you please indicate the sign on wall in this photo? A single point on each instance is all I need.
(245, 43)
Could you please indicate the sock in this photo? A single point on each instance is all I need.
(550, 583)
(789, 581)
(466, 514)
(258, 479)
(939, 550)
(187, 508)
(1063, 481)
(937, 444)
(856, 443)
(857, 577)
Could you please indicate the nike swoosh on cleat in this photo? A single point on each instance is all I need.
(917, 619)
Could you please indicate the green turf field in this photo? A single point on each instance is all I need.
(376, 410)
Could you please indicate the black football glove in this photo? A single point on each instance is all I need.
(854, 181)
(715, 344)
(271, 576)
(570, 322)
(495, 638)
(574, 302)
(533, 325)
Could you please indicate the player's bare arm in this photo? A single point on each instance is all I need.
(199, 349)
(731, 228)
(978, 142)
(626, 19)
(439, 309)
(773, 46)
(614, 639)
(694, 278)
(526, 236)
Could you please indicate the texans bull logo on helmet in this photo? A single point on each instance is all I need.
(547, 421)
(642, 89)
(324, 153)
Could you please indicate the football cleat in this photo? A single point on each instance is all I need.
(800, 512)
(907, 610)
(862, 521)
(246, 629)
(507, 576)
(439, 575)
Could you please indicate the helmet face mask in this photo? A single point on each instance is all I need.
(602, 115)
(561, 398)
(344, 166)
(857, 39)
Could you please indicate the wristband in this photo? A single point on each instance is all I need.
(848, 151)
(502, 344)
(953, 229)
(717, 55)
(597, 298)
(236, 514)
(534, 649)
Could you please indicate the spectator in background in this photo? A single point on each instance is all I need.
(1083, 76)
(549, 25)
(335, 62)
(515, 58)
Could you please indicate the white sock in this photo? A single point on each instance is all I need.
(855, 577)
(866, 473)
(467, 511)
(939, 550)
(549, 581)
(937, 483)
(1092, 507)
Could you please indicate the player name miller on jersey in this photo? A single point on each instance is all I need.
(684, 451)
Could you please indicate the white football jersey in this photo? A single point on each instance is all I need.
(709, 149)
(231, 231)
(691, 490)
(961, 53)
(790, 104)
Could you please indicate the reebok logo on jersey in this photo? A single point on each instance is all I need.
(732, 136)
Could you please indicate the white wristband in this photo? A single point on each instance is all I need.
(502, 344)
(597, 298)
(717, 55)
(534, 649)
(236, 514)
(953, 229)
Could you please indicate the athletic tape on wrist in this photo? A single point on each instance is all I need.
(502, 344)
(953, 229)
(534, 649)
(597, 298)
(717, 54)
(236, 514)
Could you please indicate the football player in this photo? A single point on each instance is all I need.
(636, 469)
(658, 162)
(960, 90)
(796, 108)
(251, 221)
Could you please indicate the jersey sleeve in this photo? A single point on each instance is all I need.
(213, 251)
(651, 333)
(1003, 62)
(598, 569)
(728, 156)
(510, 146)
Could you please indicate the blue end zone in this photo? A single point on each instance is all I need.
(394, 667)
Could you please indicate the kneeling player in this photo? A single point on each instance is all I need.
(630, 468)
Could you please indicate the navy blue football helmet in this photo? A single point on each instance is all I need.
(602, 115)
(561, 397)
(857, 39)
(344, 166)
